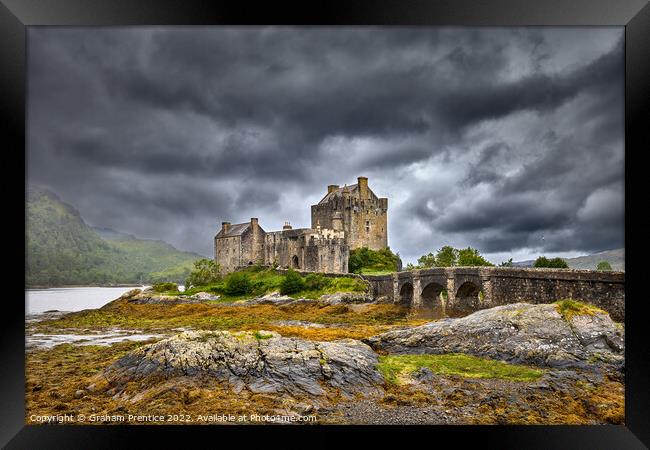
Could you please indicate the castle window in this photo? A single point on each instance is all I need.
(367, 226)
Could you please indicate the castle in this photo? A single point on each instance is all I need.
(347, 218)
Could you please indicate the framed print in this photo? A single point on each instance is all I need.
(368, 217)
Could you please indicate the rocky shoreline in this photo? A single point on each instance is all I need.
(518, 363)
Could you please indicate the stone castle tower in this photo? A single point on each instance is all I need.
(346, 218)
(357, 211)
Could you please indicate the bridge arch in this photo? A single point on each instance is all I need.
(433, 301)
(467, 299)
(406, 294)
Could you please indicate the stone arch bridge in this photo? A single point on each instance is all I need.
(457, 291)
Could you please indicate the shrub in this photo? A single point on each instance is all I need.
(569, 308)
(383, 260)
(292, 283)
(238, 283)
(604, 265)
(316, 282)
(553, 263)
(164, 287)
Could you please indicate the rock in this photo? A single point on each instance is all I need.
(150, 298)
(205, 296)
(519, 333)
(262, 362)
(346, 297)
(130, 294)
(423, 374)
(272, 298)
(79, 393)
(299, 323)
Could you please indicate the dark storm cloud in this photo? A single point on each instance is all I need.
(481, 137)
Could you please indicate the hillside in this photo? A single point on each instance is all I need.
(61, 249)
(616, 258)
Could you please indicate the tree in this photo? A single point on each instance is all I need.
(447, 256)
(205, 272)
(507, 263)
(470, 257)
(428, 260)
(604, 265)
(292, 283)
(553, 263)
(383, 260)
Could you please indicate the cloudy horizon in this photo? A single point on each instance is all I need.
(509, 140)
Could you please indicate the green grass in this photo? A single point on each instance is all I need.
(370, 271)
(395, 367)
(259, 336)
(569, 308)
(266, 280)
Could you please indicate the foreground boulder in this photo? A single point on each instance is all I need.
(346, 298)
(205, 296)
(262, 362)
(151, 297)
(519, 333)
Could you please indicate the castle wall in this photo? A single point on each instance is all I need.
(313, 250)
(227, 253)
(252, 245)
(367, 225)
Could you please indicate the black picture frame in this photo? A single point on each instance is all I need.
(634, 15)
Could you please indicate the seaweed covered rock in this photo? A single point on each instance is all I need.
(522, 333)
(262, 362)
(346, 297)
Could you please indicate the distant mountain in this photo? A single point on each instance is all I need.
(111, 235)
(616, 258)
(61, 249)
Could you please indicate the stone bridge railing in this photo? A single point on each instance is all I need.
(460, 290)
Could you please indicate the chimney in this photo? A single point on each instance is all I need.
(254, 222)
(286, 226)
(363, 186)
(332, 187)
(225, 226)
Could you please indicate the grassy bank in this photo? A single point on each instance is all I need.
(257, 280)
(395, 368)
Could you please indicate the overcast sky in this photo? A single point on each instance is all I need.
(507, 140)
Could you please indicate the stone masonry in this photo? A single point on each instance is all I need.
(468, 289)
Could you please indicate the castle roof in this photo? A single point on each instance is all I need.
(236, 229)
(338, 193)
